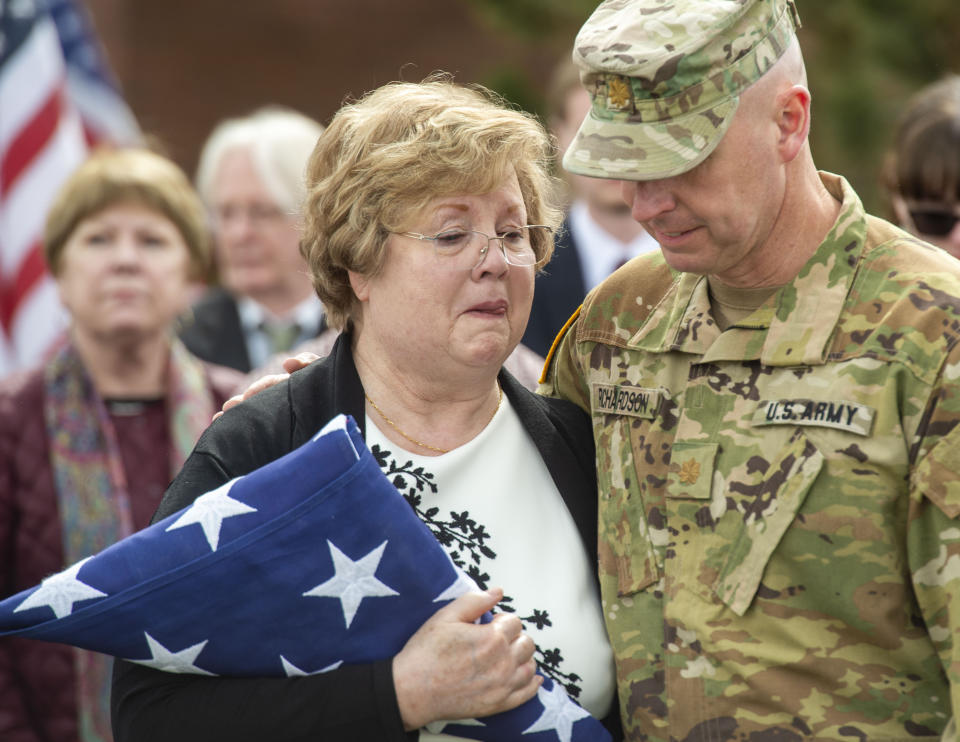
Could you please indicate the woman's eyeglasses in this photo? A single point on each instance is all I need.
(934, 220)
(470, 247)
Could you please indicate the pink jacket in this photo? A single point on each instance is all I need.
(37, 684)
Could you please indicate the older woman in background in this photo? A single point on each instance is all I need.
(89, 442)
(429, 210)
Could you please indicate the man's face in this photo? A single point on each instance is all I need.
(718, 217)
(257, 242)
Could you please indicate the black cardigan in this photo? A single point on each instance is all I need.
(355, 702)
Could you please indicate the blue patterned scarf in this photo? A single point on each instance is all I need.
(92, 493)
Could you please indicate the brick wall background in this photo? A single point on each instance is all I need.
(185, 64)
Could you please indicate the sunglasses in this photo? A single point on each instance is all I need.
(936, 221)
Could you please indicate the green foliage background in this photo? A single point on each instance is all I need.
(865, 58)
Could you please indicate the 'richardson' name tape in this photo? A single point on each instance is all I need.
(611, 399)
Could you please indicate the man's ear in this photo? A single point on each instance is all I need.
(793, 120)
(360, 285)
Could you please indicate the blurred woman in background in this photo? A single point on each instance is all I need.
(90, 441)
(922, 170)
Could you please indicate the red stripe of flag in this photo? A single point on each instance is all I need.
(31, 140)
(30, 273)
(90, 135)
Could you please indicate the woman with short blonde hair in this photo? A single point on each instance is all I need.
(394, 150)
(429, 210)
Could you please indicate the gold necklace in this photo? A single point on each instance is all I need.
(393, 425)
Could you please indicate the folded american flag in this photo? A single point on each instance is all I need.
(243, 582)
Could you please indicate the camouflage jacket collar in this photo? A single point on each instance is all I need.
(794, 327)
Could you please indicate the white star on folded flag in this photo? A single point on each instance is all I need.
(61, 591)
(236, 596)
(162, 658)
(353, 581)
(210, 510)
(558, 713)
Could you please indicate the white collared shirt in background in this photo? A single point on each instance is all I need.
(600, 252)
(307, 315)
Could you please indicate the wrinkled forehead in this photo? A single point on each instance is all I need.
(500, 197)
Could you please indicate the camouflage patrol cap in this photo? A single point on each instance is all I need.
(665, 77)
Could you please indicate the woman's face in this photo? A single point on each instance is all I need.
(124, 272)
(440, 313)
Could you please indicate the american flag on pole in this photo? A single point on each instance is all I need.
(310, 562)
(56, 100)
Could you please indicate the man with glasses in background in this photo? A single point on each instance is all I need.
(251, 177)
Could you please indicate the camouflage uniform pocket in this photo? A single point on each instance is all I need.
(728, 520)
(626, 539)
(935, 474)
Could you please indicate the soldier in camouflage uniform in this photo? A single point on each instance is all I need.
(774, 397)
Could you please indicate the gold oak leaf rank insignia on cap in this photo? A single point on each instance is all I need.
(619, 93)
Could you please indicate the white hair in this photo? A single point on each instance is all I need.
(279, 141)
